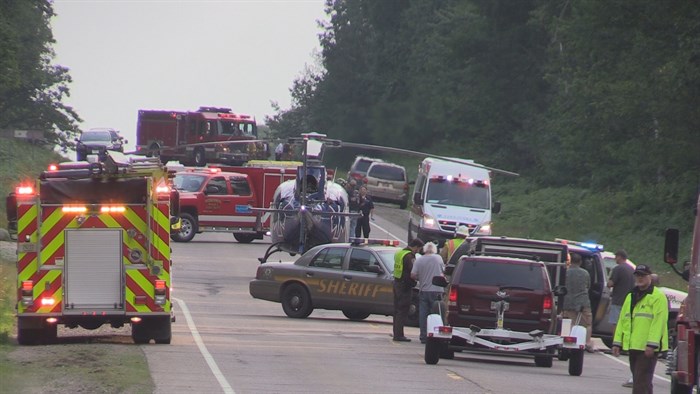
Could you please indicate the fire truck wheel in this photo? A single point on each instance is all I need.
(164, 331)
(432, 351)
(576, 362)
(199, 158)
(139, 333)
(188, 228)
(32, 331)
(244, 238)
(296, 301)
(355, 315)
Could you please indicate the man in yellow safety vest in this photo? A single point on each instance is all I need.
(451, 245)
(403, 286)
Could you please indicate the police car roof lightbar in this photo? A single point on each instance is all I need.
(587, 245)
(374, 241)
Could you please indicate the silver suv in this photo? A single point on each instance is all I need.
(387, 182)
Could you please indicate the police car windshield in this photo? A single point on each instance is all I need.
(188, 182)
(387, 257)
(460, 194)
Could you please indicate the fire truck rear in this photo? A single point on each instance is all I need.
(684, 361)
(93, 249)
(208, 135)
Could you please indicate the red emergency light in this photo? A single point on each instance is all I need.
(24, 190)
(53, 167)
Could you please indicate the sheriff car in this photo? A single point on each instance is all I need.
(355, 278)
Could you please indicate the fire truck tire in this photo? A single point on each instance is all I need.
(139, 333)
(32, 331)
(164, 331)
(432, 351)
(543, 361)
(296, 301)
(244, 238)
(188, 229)
(200, 159)
(355, 315)
(576, 362)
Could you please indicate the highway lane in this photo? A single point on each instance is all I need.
(244, 345)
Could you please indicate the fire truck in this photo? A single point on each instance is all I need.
(93, 248)
(220, 198)
(191, 137)
(684, 360)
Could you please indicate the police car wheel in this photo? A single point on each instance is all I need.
(296, 301)
(356, 315)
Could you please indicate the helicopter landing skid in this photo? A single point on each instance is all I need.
(274, 248)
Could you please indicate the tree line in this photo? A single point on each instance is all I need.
(600, 94)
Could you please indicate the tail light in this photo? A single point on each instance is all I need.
(452, 298)
(547, 304)
(27, 292)
(160, 292)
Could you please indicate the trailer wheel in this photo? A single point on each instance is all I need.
(543, 361)
(575, 362)
(200, 159)
(355, 315)
(188, 228)
(432, 351)
(244, 238)
(296, 301)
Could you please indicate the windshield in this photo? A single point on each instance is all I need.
(237, 129)
(488, 273)
(362, 165)
(457, 193)
(389, 173)
(96, 136)
(387, 257)
(188, 182)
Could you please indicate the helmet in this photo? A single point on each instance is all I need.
(462, 230)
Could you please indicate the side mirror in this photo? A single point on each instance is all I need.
(417, 199)
(440, 281)
(374, 269)
(496, 207)
(671, 246)
(560, 290)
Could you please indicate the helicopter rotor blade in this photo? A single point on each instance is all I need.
(420, 154)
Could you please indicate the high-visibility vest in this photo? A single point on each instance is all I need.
(646, 325)
(398, 262)
(452, 246)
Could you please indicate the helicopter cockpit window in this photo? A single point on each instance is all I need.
(217, 187)
(329, 258)
(240, 186)
(311, 184)
(361, 259)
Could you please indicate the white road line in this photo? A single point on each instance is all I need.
(627, 364)
(203, 349)
(387, 232)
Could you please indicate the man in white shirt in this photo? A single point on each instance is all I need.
(424, 269)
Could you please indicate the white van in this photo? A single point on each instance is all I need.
(447, 195)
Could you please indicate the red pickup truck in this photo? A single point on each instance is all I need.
(218, 199)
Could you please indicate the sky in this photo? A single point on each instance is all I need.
(127, 55)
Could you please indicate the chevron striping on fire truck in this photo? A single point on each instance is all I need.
(93, 248)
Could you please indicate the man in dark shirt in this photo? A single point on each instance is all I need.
(367, 210)
(622, 282)
(576, 300)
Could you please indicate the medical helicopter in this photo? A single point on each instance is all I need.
(313, 208)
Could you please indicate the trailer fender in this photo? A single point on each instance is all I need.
(579, 332)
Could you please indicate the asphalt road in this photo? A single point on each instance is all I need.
(226, 341)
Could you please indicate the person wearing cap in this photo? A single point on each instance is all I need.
(642, 329)
(461, 233)
(576, 300)
(403, 286)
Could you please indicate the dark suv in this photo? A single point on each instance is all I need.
(97, 142)
(476, 281)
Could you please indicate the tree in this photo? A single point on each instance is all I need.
(31, 88)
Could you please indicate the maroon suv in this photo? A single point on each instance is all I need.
(477, 281)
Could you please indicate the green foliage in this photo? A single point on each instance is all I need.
(31, 88)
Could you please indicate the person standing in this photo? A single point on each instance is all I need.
(642, 329)
(353, 203)
(403, 286)
(426, 267)
(367, 210)
(451, 245)
(576, 300)
(279, 150)
(621, 281)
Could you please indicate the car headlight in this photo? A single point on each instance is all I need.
(484, 229)
(429, 221)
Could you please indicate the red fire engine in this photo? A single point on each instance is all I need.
(218, 199)
(190, 137)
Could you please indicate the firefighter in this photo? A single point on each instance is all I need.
(451, 245)
(642, 329)
(403, 286)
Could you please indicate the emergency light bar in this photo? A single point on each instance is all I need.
(113, 209)
(452, 178)
(371, 241)
(73, 209)
(25, 190)
(587, 245)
